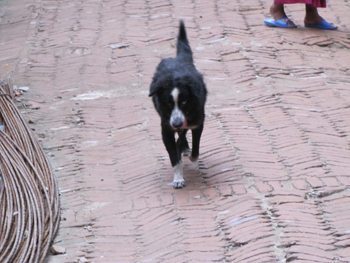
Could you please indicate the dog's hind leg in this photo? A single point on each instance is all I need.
(168, 137)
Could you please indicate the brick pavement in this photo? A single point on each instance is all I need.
(274, 173)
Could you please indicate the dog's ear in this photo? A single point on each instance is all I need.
(159, 83)
(154, 88)
(155, 85)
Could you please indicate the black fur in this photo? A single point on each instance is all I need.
(180, 73)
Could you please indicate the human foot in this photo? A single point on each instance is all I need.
(323, 24)
(279, 18)
(314, 20)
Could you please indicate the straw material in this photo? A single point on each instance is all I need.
(29, 200)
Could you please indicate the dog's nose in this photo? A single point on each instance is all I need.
(177, 123)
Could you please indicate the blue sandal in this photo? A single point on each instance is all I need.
(283, 22)
(322, 25)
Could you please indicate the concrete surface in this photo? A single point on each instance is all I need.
(274, 172)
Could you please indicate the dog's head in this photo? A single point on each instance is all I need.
(179, 98)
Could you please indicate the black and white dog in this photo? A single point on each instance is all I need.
(179, 94)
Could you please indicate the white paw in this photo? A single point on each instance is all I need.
(177, 184)
(178, 181)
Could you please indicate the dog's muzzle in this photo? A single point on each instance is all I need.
(177, 123)
(177, 119)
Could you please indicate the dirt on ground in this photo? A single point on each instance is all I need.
(272, 184)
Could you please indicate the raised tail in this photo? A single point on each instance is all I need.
(184, 51)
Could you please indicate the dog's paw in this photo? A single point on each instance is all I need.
(177, 184)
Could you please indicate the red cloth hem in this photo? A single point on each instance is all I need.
(315, 3)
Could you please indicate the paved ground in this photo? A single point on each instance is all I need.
(273, 182)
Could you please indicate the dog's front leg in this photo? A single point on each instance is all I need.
(168, 136)
(196, 137)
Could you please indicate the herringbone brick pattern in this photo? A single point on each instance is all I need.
(273, 179)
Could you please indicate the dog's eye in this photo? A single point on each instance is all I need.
(184, 102)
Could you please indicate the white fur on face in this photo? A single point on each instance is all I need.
(175, 93)
(176, 113)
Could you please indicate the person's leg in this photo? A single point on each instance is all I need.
(277, 11)
(311, 15)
